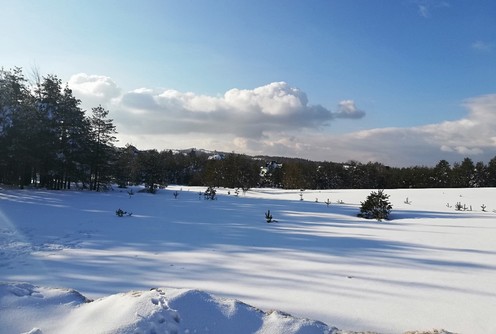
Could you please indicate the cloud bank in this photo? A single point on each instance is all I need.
(277, 119)
(250, 114)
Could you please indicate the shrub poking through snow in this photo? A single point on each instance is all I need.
(376, 206)
(175, 194)
(122, 213)
(210, 193)
(462, 207)
(268, 217)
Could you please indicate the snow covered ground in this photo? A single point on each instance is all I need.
(180, 265)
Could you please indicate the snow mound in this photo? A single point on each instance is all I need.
(39, 310)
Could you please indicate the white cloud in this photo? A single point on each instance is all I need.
(93, 90)
(277, 119)
(348, 109)
(472, 136)
(241, 113)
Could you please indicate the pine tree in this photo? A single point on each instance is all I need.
(491, 173)
(18, 129)
(150, 169)
(376, 206)
(102, 149)
(442, 174)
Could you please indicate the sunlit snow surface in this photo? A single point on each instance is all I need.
(429, 267)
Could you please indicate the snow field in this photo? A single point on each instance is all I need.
(430, 267)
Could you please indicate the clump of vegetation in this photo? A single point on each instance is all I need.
(269, 218)
(210, 193)
(462, 207)
(376, 206)
(122, 213)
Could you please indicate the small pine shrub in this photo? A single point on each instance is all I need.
(269, 218)
(210, 194)
(376, 206)
(122, 213)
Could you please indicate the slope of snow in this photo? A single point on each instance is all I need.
(31, 309)
(430, 267)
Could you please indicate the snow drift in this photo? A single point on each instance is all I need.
(31, 309)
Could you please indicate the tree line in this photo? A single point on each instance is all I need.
(192, 167)
(47, 140)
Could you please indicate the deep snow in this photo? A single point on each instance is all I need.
(429, 267)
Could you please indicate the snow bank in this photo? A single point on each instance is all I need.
(32, 309)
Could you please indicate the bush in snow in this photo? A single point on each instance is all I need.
(121, 213)
(376, 206)
(268, 217)
(210, 193)
(459, 207)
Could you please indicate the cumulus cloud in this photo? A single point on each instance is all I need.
(472, 136)
(277, 119)
(93, 90)
(243, 113)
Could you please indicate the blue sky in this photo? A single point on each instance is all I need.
(404, 82)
